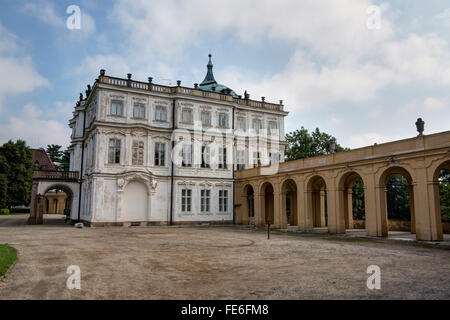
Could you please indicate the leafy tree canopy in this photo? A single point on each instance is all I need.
(54, 152)
(65, 160)
(302, 144)
(16, 166)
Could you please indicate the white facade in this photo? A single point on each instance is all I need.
(119, 128)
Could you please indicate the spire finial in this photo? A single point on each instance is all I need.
(209, 78)
(209, 62)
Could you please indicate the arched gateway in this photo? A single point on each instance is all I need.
(323, 187)
(44, 181)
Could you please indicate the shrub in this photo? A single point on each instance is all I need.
(4, 211)
(20, 210)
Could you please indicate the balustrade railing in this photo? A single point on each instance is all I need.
(56, 175)
(187, 91)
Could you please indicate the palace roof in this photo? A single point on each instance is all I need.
(210, 84)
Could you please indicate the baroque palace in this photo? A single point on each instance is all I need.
(144, 153)
(150, 153)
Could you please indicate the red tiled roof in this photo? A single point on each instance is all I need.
(45, 163)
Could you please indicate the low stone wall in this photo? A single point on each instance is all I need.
(359, 224)
(398, 225)
(446, 227)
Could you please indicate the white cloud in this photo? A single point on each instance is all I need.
(429, 104)
(443, 15)
(367, 139)
(18, 74)
(8, 41)
(433, 104)
(87, 27)
(64, 109)
(114, 64)
(35, 131)
(31, 111)
(336, 60)
(45, 12)
(170, 25)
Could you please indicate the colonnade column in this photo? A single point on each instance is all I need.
(322, 204)
(349, 216)
(336, 220)
(33, 204)
(428, 223)
(278, 213)
(435, 208)
(375, 208)
(259, 209)
(242, 214)
(304, 221)
(412, 208)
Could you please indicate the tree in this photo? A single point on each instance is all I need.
(3, 190)
(16, 165)
(358, 203)
(3, 181)
(65, 160)
(54, 152)
(444, 190)
(302, 144)
(398, 198)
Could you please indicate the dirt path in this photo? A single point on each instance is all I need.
(211, 263)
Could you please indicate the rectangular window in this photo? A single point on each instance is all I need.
(256, 159)
(205, 200)
(240, 159)
(114, 151)
(206, 157)
(186, 200)
(160, 154)
(139, 111)
(274, 158)
(160, 113)
(257, 125)
(186, 155)
(116, 108)
(223, 120)
(273, 127)
(206, 118)
(223, 200)
(240, 123)
(187, 116)
(138, 153)
(222, 158)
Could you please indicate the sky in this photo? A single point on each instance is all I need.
(363, 71)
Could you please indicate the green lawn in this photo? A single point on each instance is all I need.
(8, 256)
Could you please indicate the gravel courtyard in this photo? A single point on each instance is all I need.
(211, 263)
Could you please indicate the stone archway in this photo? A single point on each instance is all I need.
(289, 202)
(316, 202)
(267, 203)
(54, 205)
(346, 187)
(384, 179)
(249, 204)
(38, 200)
